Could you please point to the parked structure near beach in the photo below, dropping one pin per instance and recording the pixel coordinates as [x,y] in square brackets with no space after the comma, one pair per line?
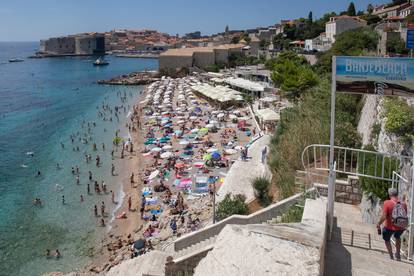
[80,44]
[198,56]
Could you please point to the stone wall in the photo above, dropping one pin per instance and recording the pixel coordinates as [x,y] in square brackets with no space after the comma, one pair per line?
[346,191]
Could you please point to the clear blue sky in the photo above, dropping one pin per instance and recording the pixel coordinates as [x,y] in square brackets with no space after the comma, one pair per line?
[31,20]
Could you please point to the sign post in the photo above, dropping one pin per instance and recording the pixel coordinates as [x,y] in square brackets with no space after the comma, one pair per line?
[331,181]
[370,76]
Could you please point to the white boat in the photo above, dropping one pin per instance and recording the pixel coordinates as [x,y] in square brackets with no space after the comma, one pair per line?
[16,60]
[100,62]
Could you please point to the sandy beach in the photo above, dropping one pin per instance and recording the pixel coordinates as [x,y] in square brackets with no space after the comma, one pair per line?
[183,147]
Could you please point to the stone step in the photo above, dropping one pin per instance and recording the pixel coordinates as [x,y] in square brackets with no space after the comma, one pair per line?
[195,247]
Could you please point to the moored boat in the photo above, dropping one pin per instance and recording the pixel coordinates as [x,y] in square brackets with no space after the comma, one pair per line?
[100,62]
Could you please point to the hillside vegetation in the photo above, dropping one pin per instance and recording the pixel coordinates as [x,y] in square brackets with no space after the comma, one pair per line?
[307,122]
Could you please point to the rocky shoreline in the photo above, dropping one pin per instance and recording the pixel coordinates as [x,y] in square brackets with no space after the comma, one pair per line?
[135,78]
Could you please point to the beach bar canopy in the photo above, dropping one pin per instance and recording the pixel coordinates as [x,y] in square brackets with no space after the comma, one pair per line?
[219,94]
[268,115]
[244,84]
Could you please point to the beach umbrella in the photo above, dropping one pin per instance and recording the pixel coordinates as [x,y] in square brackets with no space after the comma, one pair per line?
[179,165]
[204,129]
[194,130]
[154,174]
[230,151]
[209,126]
[193,118]
[156,149]
[211,150]
[221,115]
[167,147]
[184,142]
[232,116]
[213,122]
[199,164]
[207,157]
[166,154]
[215,155]
[139,244]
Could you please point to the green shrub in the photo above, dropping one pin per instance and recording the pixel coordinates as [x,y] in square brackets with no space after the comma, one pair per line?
[376,187]
[261,188]
[294,214]
[399,118]
[376,129]
[231,205]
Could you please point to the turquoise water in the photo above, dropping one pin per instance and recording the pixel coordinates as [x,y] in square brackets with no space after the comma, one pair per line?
[43,102]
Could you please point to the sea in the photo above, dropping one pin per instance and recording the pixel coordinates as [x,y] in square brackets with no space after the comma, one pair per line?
[42,103]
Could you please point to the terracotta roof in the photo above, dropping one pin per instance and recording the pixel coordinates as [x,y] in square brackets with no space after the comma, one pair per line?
[191,51]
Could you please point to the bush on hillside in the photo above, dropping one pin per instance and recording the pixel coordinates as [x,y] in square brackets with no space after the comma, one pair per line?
[261,188]
[307,122]
[375,187]
[399,118]
[354,42]
[231,205]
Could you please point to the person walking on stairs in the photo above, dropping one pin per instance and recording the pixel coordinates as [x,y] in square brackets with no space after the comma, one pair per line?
[394,220]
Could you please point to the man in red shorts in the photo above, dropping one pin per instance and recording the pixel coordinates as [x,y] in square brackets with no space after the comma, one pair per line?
[389,228]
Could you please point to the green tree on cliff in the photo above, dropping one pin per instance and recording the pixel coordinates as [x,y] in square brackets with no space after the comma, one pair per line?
[351,9]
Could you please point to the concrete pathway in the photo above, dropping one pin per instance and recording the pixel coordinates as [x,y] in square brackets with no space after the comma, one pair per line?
[357,249]
[241,173]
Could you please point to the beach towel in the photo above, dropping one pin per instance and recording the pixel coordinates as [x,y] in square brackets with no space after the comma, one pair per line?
[155,211]
[146,191]
[151,200]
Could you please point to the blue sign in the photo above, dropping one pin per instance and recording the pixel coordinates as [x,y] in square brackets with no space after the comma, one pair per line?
[410,39]
[375,75]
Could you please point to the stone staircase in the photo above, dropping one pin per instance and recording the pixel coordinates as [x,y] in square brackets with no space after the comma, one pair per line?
[356,248]
[187,251]
[195,249]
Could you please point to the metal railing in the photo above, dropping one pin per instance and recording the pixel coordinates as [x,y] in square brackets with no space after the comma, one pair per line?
[355,162]
[363,163]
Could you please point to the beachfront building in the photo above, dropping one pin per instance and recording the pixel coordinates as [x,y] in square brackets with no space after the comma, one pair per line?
[252,88]
[80,44]
[200,57]
[339,24]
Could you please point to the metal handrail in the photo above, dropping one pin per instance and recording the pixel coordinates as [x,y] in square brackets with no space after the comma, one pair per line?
[393,175]
[343,166]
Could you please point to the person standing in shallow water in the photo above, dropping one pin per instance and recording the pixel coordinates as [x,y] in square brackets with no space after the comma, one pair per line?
[113,196]
[113,170]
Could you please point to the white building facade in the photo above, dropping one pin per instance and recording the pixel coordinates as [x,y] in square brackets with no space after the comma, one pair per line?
[340,24]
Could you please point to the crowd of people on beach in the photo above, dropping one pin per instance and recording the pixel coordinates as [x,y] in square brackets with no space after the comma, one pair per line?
[189,146]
